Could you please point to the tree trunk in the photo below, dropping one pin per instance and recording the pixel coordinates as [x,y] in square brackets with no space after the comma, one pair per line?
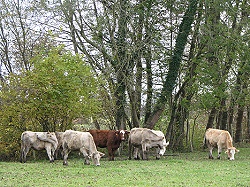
[211,117]
[238,132]
[248,123]
[231,116]
[120,66]
[174,65]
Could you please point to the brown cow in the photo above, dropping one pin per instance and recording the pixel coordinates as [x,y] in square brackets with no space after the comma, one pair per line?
[221,139]
[109,138]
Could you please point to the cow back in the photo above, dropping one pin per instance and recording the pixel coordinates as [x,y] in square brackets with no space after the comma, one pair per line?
[217,136]
[100,137]
[75,140]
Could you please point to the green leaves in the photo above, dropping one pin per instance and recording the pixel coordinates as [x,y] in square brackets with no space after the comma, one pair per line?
[59,88]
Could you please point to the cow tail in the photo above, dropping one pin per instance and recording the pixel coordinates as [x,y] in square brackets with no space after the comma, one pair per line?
[22,149]
[204,142]
[65,147]
[129,149]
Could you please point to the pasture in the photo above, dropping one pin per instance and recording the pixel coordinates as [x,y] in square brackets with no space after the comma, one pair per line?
[182,169]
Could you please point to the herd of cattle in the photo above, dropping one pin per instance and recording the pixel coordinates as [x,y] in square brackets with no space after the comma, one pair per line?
[140,140]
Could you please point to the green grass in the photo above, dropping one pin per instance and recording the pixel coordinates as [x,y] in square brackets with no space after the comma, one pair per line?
[184,169]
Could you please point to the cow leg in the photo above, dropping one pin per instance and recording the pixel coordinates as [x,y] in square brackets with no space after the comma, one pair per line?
[53,153]
[25,152]
[111,154]
[210,152]
[49,150]
[22,154]
[219,152]
[86,156]
[65,156]
[144,152]
[56,154]
[130,149]
[157,153]
[136,156]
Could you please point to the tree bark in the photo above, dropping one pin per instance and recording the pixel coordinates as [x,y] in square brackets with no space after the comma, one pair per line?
[120,66]
[174,65]
[238,132]
[211,117]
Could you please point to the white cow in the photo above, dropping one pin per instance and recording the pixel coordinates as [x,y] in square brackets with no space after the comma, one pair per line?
[83,141]
[221,139]
[144,139]
[38,141]
[59,136]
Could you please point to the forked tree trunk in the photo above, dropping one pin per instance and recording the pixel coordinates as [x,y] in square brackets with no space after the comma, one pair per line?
[174,65]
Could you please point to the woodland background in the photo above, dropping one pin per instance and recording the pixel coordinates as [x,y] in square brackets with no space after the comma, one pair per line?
[178,66]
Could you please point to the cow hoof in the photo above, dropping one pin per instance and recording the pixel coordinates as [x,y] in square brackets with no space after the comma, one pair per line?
[51,161]
[157,158]
[65,164]
[211,157]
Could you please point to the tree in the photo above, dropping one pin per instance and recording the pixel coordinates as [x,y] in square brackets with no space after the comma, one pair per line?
[175,62]
[59,88]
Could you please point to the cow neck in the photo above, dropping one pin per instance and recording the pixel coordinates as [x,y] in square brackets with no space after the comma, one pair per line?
[92,147]
[229,141]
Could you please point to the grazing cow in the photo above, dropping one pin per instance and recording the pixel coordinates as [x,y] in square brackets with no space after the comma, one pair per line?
[59,136]
[83,141]
[144,139]
[221,139]
[38,141]
[110,139]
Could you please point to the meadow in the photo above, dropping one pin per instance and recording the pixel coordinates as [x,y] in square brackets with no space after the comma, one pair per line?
[179,169]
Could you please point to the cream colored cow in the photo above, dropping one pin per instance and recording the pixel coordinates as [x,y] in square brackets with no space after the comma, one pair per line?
[221,139]
[38,141]
[83,141]
[144,139]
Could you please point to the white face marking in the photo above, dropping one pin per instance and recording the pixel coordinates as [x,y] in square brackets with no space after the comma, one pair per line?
[122,132]
[232,152]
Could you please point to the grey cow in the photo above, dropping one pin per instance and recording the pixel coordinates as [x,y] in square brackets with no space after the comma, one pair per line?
[83,141]
[38,141]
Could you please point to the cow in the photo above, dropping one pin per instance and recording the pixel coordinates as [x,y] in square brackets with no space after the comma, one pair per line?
[38,141]
[83,141]
[59,136]
[221,139]
[144,139]
[110,139]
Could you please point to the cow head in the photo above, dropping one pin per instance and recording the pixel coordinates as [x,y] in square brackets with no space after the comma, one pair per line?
[163,148]
[48,137]
[96,157]
[230,152]
[121,134]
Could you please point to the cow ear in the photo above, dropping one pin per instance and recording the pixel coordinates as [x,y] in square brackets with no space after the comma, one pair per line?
[101,154]
[236,150]
[226,151]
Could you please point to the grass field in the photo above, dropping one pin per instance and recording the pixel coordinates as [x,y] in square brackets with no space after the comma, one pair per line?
[184,169]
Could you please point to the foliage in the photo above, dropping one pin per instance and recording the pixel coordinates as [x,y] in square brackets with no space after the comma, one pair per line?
[59,88]
[189,169]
